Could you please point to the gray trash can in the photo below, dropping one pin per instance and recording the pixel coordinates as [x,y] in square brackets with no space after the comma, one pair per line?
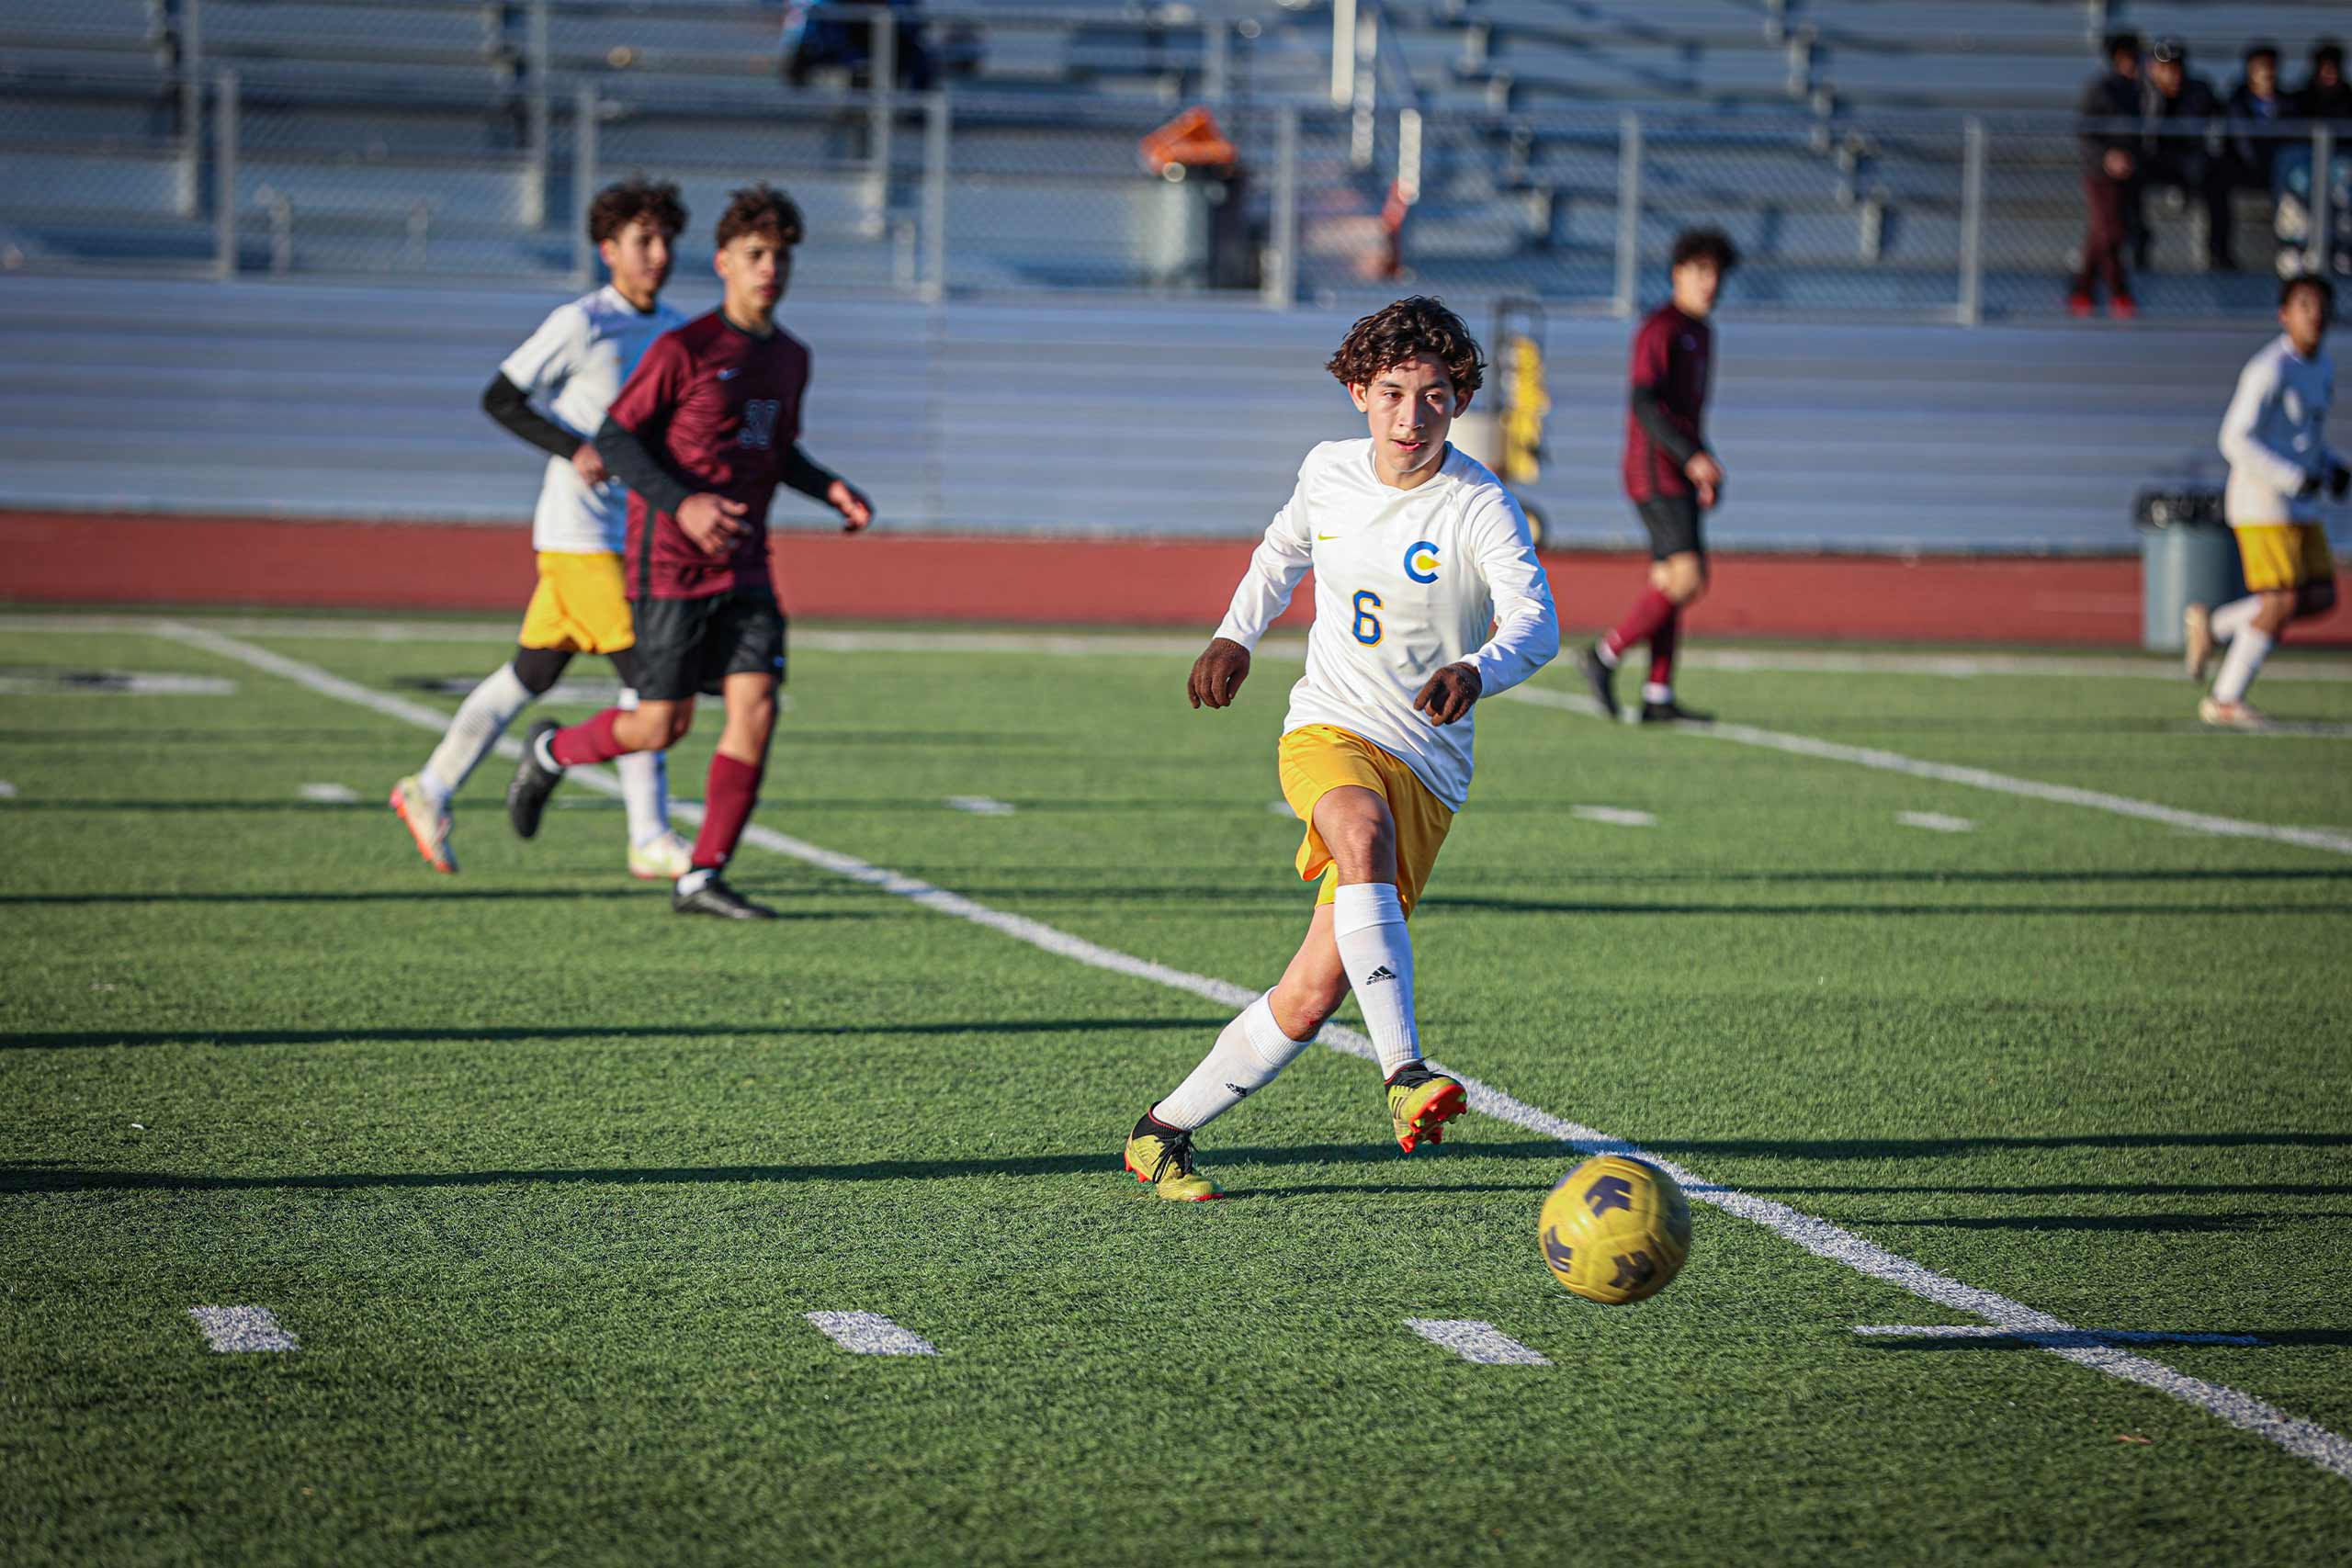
[2187,556]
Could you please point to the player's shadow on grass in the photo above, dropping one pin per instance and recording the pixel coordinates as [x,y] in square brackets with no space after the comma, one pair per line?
[454,894]
[66,1040]
[1992,878]
[2200,911]
[2272,1338]
[2080,1189]
[1923,1148]
[36,1177]
[2154,1222]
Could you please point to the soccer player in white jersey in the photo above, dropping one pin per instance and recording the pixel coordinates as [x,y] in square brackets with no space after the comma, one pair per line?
[2275,437]
[1428,596]
[576,364]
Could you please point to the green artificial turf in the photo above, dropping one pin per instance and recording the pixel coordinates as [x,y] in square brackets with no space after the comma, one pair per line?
[544,1178]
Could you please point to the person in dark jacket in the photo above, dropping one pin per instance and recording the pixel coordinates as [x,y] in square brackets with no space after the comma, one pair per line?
[2179,109]
[2254,108]
[2110,161]
[2324,93]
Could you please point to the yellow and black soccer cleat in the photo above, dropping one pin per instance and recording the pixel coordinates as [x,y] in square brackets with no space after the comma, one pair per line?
[1162,1158]
[1422,1102]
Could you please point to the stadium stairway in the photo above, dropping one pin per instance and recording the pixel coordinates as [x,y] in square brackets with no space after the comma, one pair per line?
[1112,417]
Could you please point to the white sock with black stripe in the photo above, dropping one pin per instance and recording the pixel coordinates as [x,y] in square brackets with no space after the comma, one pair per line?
[1369,920]
[1247,1055]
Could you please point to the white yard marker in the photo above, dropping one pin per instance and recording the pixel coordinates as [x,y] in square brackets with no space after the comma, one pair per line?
[240,1329]
[330,793]
[2306,1439]
[1934,822]
[2337,841]
[2076,1337]
[979,806]
[871,1334]
[7,790]
[1475,1341]
[1615,816]
[1281,808]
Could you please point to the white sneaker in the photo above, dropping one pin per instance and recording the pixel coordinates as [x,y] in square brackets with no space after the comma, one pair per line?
[2197,640]
[663,858]
[429,824]
[2231,716]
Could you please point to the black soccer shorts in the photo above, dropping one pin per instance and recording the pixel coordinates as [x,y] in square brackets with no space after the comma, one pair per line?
[688,647]
[1672,522]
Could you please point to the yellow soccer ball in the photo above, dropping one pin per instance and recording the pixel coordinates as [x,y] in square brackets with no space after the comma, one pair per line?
[1616,1230]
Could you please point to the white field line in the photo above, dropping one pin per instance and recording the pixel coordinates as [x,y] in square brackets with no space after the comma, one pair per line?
[244,1328]
[979,806]
[1615,816]
[7,790]
[870,1334]
[1095,645]
[2080,1336]
[1934,822]
[1281,808]
[2333,840]
[330,793]
[2305,1438]
[1475,1341]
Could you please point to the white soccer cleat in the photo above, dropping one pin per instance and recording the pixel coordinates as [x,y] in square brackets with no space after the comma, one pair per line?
[2197,640]
[664,858]
[429,824]
[2231,716]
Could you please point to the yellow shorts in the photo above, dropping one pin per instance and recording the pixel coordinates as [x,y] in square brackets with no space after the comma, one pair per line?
[580,606]
[1320,757]
[2284,554]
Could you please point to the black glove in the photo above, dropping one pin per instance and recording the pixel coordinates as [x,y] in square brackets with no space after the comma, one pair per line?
[2339,481]
[2309,487]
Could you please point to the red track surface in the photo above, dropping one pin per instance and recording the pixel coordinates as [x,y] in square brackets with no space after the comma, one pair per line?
[96,558]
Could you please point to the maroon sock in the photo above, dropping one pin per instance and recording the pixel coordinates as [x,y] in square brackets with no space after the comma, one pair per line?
[727,800]
[1662,646]
[592,741]
[1641,623]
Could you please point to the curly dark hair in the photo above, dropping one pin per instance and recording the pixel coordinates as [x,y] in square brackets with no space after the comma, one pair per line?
[1707,244]
[618,206]
[1414,328]
[759,209]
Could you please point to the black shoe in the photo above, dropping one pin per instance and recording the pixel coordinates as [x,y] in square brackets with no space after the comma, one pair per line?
[715,898]
[1672,712]
[1601,679]
[527,794]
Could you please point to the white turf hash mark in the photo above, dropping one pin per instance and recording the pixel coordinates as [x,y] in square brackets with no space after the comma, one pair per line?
[979,806]
[2080,1336]
[330,793]
[2304,1438]
[7,790]
[237,1330]
[1615,816]
[1477,1341]
[1974,778]
[870,1334]
[1934,822]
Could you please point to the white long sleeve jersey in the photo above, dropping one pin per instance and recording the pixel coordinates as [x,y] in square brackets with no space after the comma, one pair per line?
[1405,581]
[2274,436]
[576,364]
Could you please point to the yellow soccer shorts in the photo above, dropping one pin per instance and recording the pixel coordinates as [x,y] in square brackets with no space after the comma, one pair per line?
[580,606]
[2280,556]
[1317,758]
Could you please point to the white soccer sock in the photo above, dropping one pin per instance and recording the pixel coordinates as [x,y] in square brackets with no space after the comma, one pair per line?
[482,719]
[1378,956]
[2235,617]
[2247,650]
[1602,651]
[645,785]
[1246,1057]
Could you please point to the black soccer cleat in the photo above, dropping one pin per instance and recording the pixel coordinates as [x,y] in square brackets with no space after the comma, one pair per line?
[715,898]
[1672,712]
[1601,679]
[526,793]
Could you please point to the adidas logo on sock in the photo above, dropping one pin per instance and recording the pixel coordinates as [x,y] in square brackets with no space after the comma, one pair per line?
[1377,976]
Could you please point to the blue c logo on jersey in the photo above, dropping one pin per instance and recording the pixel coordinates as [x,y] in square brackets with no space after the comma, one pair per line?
[1421,561]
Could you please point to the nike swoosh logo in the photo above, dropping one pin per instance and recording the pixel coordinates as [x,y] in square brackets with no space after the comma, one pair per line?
[728,375]
[1326,536]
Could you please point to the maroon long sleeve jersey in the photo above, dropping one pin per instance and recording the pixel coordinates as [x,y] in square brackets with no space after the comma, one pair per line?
[721,409]
[1673,359]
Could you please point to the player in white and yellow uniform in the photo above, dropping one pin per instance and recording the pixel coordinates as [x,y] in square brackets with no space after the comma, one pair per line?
[1428,596]
[574,365]
[2275,435]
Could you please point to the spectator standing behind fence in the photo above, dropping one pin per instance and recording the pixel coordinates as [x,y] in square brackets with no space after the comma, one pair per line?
[2254,109]
[2108,104]
[2179,111]
[2324,97]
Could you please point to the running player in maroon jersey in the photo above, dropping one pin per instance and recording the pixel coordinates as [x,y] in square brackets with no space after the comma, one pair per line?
[1669,473]
[706,429]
